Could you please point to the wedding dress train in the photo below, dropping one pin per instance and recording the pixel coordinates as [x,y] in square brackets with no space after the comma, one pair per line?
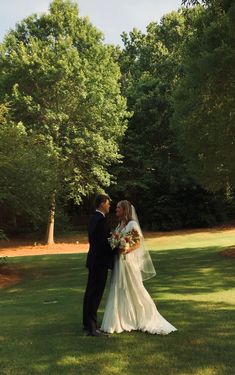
[129,306]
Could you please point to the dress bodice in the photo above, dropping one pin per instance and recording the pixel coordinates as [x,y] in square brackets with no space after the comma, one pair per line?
[132,224]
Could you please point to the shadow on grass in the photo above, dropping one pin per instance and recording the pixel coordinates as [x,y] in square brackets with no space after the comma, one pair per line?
[205,341]
[197,271]
[47,339]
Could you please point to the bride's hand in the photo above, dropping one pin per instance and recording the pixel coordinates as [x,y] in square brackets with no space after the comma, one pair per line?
[129,249]
[122,251]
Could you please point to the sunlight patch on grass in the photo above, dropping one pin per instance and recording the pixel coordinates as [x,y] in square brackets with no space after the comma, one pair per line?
[209,371]
[194,240]
[69,360]
[104,360]
[206,270]
[41,368]
[15,290]
[224,296]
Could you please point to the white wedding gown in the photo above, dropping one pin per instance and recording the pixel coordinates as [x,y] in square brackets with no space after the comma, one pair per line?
[129,305]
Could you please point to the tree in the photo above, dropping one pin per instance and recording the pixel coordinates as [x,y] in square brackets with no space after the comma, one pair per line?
[204,119]
[153,174]
[28,172]
[150,66]
[225,4]
[62,83]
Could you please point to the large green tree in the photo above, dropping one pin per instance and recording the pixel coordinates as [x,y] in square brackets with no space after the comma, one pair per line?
[62,83]
[28,174]
[204,118]
[150,65]
[153,172]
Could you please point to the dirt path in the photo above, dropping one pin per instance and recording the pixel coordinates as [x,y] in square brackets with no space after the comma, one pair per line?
[20,248]
[79,243]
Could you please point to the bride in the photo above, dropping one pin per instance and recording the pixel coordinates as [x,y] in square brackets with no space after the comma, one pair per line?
[129,305]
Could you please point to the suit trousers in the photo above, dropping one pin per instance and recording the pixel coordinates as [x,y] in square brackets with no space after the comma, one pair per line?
[97,278]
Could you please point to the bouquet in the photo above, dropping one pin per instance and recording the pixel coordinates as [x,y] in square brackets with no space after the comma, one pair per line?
[124,240]
[114,240]
[129,239]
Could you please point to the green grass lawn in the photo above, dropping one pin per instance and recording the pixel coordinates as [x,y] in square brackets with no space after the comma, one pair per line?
[194,289]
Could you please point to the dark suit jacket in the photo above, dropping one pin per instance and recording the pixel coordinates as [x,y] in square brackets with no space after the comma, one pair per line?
[100,252]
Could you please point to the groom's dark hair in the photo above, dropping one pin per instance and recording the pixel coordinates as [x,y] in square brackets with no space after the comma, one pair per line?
[100,198]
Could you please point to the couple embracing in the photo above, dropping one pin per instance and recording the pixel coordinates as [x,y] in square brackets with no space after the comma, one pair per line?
[129,305]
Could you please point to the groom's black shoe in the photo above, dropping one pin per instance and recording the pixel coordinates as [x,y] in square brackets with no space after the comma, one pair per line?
[95,333]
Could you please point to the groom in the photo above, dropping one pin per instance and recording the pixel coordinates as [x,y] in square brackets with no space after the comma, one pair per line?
[99,259]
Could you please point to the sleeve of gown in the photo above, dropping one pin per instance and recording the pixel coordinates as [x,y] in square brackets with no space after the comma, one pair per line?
[133,225]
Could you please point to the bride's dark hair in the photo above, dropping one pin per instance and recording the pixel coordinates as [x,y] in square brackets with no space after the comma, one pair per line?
[127,211]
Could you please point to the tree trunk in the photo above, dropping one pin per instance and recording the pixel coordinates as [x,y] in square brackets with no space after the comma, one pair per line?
[51,221]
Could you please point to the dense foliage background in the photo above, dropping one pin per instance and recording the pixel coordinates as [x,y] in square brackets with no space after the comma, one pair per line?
[152,122]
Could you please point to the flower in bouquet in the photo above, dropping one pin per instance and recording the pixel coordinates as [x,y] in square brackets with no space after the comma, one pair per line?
[124,243]
[114,240]
[127,240]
